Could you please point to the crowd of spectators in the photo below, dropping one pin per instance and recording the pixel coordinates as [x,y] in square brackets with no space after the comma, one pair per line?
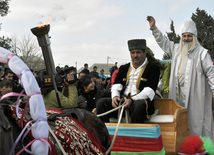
[81,90]
[87,88]
[9,82]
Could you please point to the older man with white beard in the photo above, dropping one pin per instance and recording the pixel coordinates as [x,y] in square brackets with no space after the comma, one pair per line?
[191,77]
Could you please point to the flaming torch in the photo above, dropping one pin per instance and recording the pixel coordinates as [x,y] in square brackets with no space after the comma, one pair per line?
[44,42]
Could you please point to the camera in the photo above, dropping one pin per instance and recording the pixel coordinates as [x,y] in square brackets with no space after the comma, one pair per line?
[68,70]
[45,81]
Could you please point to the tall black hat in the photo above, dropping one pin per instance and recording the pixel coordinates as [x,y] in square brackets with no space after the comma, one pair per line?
[137,44]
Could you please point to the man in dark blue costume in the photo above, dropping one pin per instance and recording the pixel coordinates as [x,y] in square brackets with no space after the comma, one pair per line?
[137,81]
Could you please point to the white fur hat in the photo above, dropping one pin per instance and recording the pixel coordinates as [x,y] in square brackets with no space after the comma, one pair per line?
[189,26]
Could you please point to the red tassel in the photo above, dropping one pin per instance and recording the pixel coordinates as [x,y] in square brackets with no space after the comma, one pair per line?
[192,145]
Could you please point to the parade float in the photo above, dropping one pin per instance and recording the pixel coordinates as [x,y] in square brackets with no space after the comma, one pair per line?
[161,134]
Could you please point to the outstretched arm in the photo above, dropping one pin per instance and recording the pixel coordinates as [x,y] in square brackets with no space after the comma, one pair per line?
[165,44]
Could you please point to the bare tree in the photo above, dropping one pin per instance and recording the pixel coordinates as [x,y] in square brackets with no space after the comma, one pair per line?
[28,50]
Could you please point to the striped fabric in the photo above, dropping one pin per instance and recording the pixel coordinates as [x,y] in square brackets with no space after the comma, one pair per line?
[137,140]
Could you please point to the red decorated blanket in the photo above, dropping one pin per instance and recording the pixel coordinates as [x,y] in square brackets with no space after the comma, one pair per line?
[73,136]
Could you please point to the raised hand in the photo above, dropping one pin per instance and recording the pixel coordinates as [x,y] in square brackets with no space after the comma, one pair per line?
[151,21]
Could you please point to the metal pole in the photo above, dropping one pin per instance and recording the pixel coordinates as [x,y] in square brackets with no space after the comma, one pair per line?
[44,43]
[107,59]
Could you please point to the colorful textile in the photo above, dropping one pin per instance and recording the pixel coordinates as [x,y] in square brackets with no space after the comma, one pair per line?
[136,144]
[137,140]
[73,136]
[147,132]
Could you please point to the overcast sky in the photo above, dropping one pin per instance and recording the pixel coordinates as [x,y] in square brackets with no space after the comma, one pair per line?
[97,31]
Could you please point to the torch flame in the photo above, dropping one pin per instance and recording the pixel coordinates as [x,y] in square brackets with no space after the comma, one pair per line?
[45,23]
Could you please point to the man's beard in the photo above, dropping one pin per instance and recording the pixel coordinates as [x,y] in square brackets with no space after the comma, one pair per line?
[186,46]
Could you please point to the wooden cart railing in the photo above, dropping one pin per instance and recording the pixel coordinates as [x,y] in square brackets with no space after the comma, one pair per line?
[175,126]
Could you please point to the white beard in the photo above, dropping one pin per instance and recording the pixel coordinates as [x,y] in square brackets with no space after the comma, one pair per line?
[186,46]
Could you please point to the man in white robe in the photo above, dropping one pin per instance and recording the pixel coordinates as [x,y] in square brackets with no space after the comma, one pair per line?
[191,78]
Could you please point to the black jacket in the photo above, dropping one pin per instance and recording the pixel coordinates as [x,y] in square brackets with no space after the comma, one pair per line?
[88,100]
[149,78]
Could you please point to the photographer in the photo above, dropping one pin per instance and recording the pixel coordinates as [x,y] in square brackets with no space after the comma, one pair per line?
[68,96]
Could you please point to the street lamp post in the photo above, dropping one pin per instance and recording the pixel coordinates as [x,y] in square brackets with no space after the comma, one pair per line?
[108,59]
